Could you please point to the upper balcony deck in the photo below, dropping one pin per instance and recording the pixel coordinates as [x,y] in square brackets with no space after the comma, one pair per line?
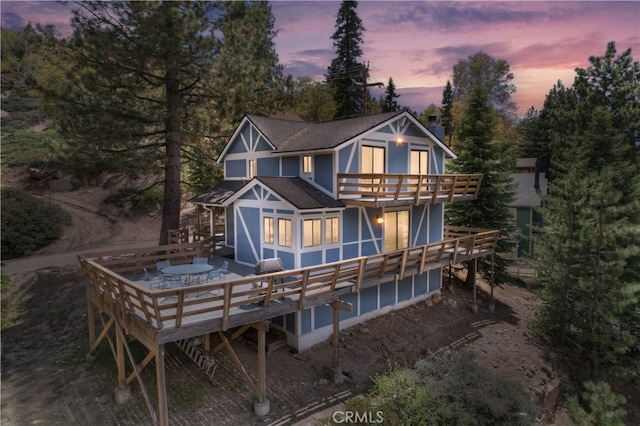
[388,190]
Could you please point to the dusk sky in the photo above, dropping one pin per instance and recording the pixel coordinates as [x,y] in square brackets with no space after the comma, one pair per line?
[417,43]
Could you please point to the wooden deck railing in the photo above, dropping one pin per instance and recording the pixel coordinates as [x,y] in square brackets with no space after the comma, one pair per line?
[381,189]
[220,305]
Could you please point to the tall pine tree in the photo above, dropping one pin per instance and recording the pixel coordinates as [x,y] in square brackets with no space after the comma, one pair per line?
[137,86]
[590,250]
[345,74]
[480,150]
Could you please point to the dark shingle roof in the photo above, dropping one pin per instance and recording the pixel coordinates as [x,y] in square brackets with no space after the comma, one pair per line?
[291,136]
[300,193]
[219,193]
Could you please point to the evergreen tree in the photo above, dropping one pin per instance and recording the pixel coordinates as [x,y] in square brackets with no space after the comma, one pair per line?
[346,73]
[590,250]
[313,101]
[390,104]
[137,87]
[481,149]
[446,113]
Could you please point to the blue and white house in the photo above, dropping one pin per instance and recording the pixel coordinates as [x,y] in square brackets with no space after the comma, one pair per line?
[316,193]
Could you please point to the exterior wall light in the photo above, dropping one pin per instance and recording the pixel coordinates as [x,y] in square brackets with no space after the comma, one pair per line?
[379,219]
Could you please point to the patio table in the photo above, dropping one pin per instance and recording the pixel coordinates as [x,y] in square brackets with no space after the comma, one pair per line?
[187,270]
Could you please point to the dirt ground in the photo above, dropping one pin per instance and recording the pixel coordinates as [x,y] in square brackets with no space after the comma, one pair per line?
[46,378]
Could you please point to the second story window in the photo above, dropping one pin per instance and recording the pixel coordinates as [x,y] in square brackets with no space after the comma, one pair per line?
[307,165]
[419,162]
[252,168]
[372,162]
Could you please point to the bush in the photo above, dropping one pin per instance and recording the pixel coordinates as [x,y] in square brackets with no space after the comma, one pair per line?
[28,223]
[441,391]
[604,406]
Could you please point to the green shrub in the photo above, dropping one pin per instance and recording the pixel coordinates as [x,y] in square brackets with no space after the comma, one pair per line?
[604,406]
[27,148]
[28,223]
[443,391]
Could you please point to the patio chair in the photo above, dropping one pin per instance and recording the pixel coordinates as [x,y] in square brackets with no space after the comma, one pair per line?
[154,278]
[219,272]
[200,261]
[166,279]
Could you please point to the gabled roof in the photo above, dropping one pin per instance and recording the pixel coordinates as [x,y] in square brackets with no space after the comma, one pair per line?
[290,136]
[217,195]
[300,193]
[297,136]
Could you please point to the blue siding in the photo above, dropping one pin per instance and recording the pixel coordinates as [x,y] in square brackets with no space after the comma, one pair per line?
[350,225]
[420,284]
[311,258]
[398,157]
[405,289]
[323,166]
[435,222]
[435,280]
[353,299]
[333,255]
[235,168]
[349,251]
[237,147]
[287,258]
[343,159]
[230,221]
[368,248]
[322,316]
[387,294]
[263,145]
[419,224]
[268,253]
[291,166]
[246,234]
[368,299]
[268,167]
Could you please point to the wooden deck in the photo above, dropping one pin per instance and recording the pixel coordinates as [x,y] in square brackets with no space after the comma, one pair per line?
[386,190]
[159,316]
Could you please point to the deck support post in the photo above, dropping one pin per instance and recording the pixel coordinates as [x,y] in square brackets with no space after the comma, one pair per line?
[122,393]
[163,408]
[492,306]
[337,305]
[262,406]
[474,307]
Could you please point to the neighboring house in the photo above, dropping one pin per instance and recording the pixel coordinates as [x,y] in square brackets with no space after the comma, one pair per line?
[531,184]
[315,193]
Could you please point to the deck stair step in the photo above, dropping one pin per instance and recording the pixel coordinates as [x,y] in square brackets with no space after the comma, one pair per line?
[191,347]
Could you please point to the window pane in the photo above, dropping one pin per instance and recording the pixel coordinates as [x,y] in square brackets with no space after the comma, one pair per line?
[396,230]
[312,232]
[252,168]
[390,231]
[403,229]
[419,162]
[306,164]
[284,232]
[268,230]
[332,235]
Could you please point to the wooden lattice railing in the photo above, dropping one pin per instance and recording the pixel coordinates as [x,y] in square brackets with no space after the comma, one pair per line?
[223,304]
[377,189]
